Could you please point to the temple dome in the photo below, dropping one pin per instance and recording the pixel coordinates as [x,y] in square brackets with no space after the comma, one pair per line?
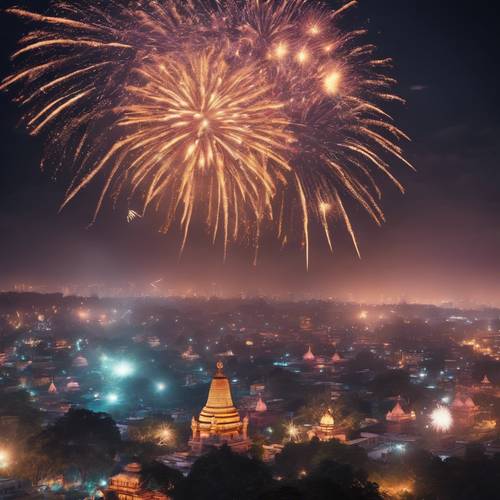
[309,356]
[219,410]
[219,421]
[327,420]
[398,414]
[261,407]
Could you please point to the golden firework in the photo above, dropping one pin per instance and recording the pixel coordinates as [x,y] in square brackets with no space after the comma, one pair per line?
[237,112]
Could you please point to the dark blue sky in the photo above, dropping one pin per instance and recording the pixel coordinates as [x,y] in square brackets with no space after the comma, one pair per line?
[441,240]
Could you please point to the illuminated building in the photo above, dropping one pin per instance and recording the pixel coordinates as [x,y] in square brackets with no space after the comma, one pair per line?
[309,356]
[189,354]
[306,323]
[128,485]
[464,411]
[260,407]
[327,430]
[219,421]
[398,415]
[52,388]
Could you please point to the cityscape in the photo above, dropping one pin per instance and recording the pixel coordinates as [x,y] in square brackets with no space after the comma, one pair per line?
[249,250]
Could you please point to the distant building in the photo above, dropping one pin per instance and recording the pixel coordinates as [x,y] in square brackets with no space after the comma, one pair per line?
[257,389]
[219,422]
[260,407]
[189,355]
[128,485]
[327,430]
[309,356]
[464,411]
[398,415]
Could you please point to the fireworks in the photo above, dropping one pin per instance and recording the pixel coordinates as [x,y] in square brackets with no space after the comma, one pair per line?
[441,419]
[247,114]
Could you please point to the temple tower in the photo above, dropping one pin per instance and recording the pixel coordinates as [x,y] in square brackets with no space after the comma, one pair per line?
[219,421]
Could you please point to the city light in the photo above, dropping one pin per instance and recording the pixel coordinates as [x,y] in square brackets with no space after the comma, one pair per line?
[441,419]
[4,459]
[112,398]
[123,369]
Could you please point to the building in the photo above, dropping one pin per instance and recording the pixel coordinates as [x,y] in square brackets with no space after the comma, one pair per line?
[464,411]
[14,488]
[327,430]
[128,485]
[309,356]
[219,422]
[398,415]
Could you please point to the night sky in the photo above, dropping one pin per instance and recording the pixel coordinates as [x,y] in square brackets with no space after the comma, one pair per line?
[441,241]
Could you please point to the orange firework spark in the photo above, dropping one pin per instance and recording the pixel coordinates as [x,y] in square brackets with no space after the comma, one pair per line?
[239,112]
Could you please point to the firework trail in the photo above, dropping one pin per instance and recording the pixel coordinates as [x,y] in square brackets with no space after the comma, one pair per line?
[241,113]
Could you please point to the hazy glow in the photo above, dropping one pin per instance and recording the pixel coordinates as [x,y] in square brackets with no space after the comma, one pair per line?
[4,459]
[112,398]
[123,369]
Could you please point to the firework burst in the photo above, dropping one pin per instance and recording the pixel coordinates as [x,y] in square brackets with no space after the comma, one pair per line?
[242,113]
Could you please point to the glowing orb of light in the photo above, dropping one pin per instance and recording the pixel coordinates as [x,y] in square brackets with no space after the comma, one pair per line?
[112,398]
[160,386]
[123,369]
[4,459]
[441,419]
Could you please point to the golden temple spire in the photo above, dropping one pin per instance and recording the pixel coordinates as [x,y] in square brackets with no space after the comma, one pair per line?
[219,419]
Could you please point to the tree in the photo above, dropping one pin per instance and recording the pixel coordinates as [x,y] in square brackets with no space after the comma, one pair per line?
[224,475]
[302,457]
[157,476]
[81,440]
[331,480]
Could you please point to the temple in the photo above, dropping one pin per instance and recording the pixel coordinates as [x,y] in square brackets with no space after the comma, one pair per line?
[327,430]
[219,422]
[464,411]
[309,356]
[128,485]
[260,407]
[398,415]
